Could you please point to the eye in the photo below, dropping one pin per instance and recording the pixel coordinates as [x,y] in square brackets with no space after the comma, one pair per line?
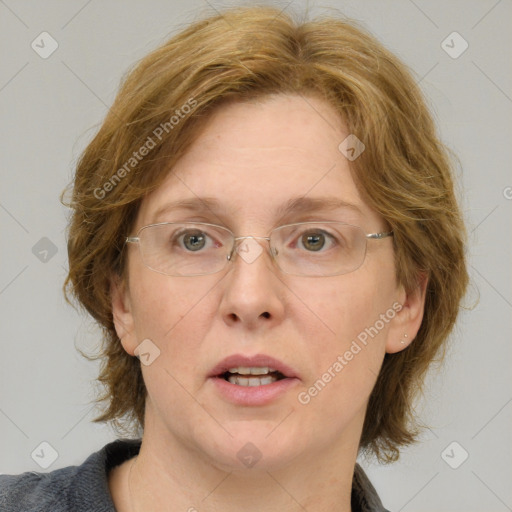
[316,240]
[313,242]
[193,240]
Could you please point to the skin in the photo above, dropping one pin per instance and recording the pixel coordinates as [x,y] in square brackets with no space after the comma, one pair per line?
[253,157]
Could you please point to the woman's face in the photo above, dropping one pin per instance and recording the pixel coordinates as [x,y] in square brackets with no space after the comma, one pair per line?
[329,333]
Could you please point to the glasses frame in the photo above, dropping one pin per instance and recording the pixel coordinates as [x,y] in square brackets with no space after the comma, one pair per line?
[368,236]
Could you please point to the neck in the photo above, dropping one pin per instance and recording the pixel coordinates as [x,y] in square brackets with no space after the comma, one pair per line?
[170,477]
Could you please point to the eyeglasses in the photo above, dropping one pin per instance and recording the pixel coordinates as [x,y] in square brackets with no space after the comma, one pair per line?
[304,249]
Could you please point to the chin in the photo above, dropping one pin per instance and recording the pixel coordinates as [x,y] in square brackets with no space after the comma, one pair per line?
[253,448]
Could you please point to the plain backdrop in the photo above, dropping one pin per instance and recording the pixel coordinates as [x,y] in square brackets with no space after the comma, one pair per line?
[50,109]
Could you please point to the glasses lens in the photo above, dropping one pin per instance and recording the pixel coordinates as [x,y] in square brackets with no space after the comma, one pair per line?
[319,248]
[185,249]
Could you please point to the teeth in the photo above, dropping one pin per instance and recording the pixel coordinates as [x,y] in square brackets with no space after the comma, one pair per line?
[251,381]
[252,370]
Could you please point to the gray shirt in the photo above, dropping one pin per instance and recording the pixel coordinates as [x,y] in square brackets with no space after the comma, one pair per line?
[85,488]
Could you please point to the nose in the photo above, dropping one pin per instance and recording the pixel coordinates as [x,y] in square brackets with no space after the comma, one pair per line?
[253,292]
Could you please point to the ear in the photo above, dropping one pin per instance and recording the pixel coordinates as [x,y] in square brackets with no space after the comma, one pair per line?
[122,314]
[405,325]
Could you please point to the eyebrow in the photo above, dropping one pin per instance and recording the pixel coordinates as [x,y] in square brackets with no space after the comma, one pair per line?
[296,205]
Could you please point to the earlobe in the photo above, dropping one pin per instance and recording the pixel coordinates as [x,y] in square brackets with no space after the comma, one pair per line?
[407,322]
[122,314]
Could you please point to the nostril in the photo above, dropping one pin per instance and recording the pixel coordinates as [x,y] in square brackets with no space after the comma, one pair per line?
[266,314]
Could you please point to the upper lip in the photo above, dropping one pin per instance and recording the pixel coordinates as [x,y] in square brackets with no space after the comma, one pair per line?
[258,360]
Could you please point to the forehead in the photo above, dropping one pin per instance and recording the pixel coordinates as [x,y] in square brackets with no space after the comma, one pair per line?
[258,162]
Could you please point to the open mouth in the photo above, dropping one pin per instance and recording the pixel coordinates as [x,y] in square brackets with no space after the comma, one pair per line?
[252,376]
[252,380]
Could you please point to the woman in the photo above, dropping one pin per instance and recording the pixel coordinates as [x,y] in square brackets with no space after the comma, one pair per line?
[265,226]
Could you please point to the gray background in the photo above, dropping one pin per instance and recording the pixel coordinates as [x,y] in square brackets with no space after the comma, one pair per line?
[50,109]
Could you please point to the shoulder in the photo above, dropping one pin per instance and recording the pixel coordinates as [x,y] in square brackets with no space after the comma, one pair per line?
[364,495]
[35,492]
[73,488]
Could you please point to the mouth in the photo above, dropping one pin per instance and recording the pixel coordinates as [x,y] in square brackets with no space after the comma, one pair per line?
[252,380]
[256,370]
[250,376]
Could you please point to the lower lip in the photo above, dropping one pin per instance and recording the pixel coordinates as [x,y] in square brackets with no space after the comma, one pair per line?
[253,395]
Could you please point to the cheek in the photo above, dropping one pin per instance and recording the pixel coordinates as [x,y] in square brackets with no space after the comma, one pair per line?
[155,308]
[344,307]
[171,312]
[349,344]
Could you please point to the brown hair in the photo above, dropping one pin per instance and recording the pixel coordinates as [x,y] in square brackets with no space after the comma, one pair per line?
[247,53]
